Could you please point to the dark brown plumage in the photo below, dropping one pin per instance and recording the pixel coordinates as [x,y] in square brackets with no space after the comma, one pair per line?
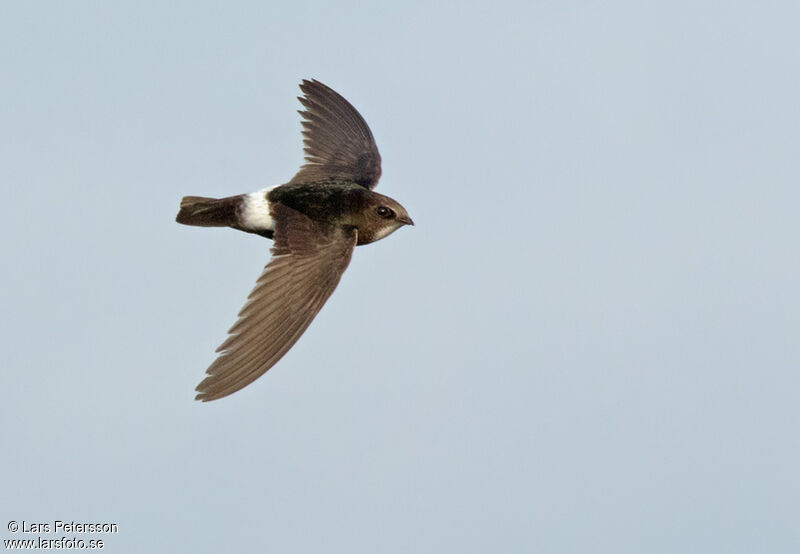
[336,140]
[316,220]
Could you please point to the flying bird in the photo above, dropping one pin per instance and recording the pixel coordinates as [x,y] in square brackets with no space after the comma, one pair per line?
[315,221]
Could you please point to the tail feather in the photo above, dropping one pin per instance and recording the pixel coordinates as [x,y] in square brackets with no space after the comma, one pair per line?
[209,212]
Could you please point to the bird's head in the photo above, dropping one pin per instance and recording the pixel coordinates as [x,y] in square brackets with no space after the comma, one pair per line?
[379,217]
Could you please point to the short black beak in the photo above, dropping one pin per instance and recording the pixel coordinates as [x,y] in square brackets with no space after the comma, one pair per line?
[405,220]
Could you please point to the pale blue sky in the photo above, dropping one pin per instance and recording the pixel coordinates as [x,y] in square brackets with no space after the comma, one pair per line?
[588,342]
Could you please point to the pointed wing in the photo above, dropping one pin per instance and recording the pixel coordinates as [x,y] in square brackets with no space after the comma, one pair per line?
[337,142]
[308,260]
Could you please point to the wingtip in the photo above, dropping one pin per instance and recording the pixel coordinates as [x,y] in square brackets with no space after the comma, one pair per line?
[203,395]
[308,85]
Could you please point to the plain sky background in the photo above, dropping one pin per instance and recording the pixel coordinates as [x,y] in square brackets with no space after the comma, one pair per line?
[588,343]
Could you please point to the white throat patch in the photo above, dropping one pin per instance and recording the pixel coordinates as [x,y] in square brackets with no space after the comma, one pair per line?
[385,232]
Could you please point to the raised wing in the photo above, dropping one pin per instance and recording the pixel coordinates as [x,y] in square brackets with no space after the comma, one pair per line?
[337,142]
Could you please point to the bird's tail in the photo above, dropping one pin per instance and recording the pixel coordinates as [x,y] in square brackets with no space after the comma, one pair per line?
[209,212]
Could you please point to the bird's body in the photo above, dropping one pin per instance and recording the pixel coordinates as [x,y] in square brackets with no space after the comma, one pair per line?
[315,220]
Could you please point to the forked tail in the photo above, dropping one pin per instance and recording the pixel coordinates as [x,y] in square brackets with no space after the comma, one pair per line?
[209,212]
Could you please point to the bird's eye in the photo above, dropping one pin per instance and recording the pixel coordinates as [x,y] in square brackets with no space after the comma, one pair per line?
[383,211]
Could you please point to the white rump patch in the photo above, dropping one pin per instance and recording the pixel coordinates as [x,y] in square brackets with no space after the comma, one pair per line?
[255,215]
